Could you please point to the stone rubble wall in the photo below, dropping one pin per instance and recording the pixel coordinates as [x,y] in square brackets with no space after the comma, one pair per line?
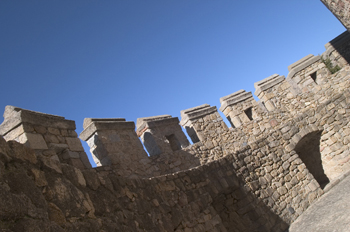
[303,77]
[257,176]
[164,132]
[60,197]
[49,135]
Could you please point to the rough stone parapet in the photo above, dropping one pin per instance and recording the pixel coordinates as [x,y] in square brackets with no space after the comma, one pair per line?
[239,107]
[113,142]
[114,145]
[47,134]
[141,123]
[203,123]
[308,73]
[14,116]
[267,83]
[234,98]
[92,125]
[161,134]
[196,112]
[275,92]
[301,64]
[257,177]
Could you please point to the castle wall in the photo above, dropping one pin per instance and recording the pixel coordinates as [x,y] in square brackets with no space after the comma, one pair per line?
[115,144]
[239,108]
[161,134]
[308,73]
[49,135]
[259,175]
[208,198]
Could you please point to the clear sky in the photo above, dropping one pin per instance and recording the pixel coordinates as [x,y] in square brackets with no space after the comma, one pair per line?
[140,58]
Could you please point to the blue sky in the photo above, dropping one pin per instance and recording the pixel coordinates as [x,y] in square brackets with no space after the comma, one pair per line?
[140,58]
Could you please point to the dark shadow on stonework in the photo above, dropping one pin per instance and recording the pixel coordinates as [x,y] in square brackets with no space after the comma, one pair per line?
[308,149]
[249,113]
[314,77]
[151,144]
[241,211]
[230,121]
[174,142]
[342,44]
[192,134]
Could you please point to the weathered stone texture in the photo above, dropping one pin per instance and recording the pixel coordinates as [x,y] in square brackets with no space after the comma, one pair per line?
[60,196]
[49,135]
[259,175]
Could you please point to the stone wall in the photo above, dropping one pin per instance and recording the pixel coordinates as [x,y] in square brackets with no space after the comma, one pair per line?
[50,135]
[60,197]
[259,175]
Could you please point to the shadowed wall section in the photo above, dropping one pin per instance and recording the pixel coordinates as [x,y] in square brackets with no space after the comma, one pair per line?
[308,149]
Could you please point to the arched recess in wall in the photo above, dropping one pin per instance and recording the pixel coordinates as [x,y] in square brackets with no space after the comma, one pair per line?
[308,149]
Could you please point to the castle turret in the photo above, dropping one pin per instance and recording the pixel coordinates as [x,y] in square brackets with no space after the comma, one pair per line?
[112,141]
[161,134]
[49,135]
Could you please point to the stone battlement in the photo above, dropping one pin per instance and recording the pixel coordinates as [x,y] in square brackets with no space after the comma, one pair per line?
[110,139]
[277,158]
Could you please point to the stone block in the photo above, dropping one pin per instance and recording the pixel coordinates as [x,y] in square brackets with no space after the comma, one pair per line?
[67,154]
[74,144]
[54,131]
[13,134]
[269,105]
[85,160]
[77,163]
[34,141]
[58,147]
[286,165]
[313,185]
[49,138]
[267,83]
[40,129]
[48,152]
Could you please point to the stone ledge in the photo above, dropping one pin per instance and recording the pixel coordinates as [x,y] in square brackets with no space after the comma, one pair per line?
[88,121]
[156,121]
[97,125]
[232,95]
[301,64]
[302,60]
[267,83]
[14,116]
[140,121]
[196,112]
[234,98]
